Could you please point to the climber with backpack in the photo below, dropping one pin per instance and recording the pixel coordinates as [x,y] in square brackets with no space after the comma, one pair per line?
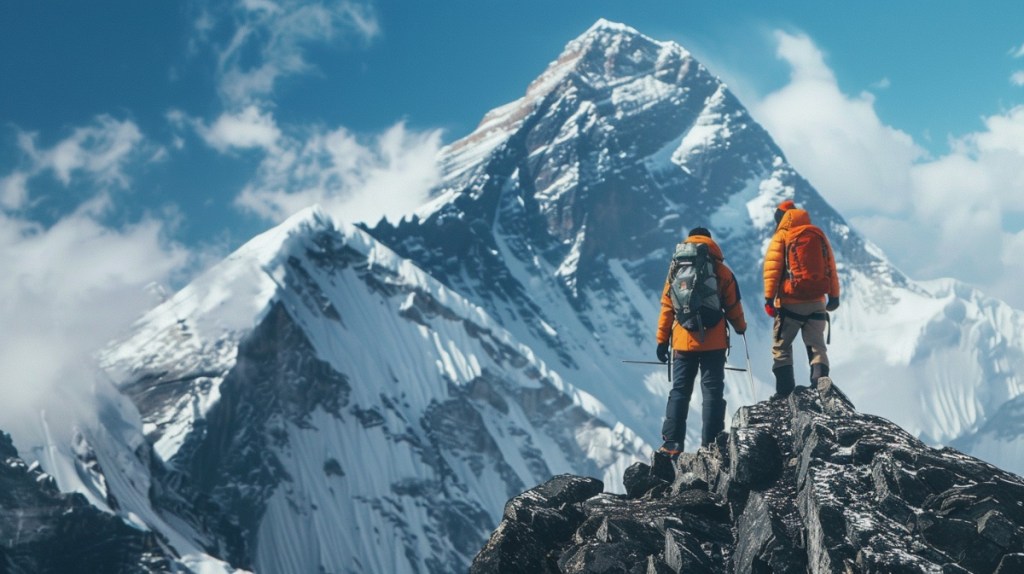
[801,286]
[699,292]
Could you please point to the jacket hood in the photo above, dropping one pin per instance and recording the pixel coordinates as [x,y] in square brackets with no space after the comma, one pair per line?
[713,247]
[794,218]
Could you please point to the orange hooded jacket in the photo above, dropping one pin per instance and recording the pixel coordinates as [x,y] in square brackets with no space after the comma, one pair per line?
[775,261]
[728,293]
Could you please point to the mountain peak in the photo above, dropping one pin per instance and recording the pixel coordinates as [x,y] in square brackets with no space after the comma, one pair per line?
[604,25]
[609,51]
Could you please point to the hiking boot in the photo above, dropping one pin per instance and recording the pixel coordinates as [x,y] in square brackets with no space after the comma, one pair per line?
[784,382]
[818,370]
[671,449]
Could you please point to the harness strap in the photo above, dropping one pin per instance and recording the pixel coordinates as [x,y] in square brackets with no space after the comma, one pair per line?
[816,316]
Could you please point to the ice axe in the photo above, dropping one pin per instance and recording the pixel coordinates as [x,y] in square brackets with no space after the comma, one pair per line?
[750,373]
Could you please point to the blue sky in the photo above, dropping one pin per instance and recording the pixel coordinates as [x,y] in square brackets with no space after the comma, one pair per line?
[935,74]
[141,141]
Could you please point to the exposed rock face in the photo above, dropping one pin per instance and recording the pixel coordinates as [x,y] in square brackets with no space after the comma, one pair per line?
[44,530]
[806,484]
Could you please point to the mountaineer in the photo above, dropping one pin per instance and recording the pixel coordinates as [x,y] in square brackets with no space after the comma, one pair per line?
[699,291]
[801,286]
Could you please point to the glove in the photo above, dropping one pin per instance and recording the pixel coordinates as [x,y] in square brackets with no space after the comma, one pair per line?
[663,352]
[833,303]
[769,307]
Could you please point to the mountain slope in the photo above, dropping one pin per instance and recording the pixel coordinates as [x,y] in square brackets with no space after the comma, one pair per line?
[316,402]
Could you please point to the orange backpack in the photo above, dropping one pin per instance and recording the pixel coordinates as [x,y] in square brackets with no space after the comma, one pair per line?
[807,263]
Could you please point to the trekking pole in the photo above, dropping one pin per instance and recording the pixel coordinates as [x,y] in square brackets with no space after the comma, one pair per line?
[670,361]
[727,367]
[746,349]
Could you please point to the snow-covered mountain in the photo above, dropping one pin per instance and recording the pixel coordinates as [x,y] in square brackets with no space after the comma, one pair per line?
[558,213]
[353,399]
[316,403]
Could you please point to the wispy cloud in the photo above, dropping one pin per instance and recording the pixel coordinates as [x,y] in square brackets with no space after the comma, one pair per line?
[99,152]
[912,205]
[73,284]
[70,287]
[1017,52]
[1017,78]
[353,180]
[250,128]
[270,40]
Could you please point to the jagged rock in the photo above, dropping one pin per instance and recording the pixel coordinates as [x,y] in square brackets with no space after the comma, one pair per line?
[762,539]
[1011,563]
[44,530]
[653,565]
[755,458]
[802,485]
[602,558]
[683,553]
[536,522]
[687,481]
[639,480]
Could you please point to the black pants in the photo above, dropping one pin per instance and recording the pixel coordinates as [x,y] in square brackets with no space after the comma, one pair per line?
[712,382]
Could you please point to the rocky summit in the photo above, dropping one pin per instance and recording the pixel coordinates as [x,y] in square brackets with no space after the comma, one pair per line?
[804,484]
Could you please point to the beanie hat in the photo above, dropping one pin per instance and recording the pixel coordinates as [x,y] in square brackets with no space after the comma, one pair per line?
[700,231]
[782,209]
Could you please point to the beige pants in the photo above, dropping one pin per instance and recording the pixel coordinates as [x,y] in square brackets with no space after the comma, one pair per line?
[812,331]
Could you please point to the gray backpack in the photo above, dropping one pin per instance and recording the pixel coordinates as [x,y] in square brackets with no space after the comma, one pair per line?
[693,287]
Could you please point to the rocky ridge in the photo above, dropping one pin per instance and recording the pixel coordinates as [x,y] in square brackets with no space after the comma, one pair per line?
[806,484]
[43,530]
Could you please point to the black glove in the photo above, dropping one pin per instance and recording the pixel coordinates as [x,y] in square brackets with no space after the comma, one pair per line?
[769,307]
[833,303]
[663,352]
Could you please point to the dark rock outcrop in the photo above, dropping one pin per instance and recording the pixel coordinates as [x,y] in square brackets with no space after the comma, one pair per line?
[44,530]
[806,484]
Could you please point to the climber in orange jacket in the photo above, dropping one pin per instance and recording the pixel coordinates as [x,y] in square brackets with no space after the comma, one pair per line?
[801,285]
[697,335]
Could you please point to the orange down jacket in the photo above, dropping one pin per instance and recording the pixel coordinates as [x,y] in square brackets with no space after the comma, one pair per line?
[728,293]
[775,261]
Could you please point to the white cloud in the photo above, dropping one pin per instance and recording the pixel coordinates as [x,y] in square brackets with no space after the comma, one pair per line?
[14,190]
[352,180]
[249,128]
[72,285]
[941,216]
[270,41]
[1017,52]
[883,84]
[100,152]
[836,140]
[1017,78]
[68,289]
